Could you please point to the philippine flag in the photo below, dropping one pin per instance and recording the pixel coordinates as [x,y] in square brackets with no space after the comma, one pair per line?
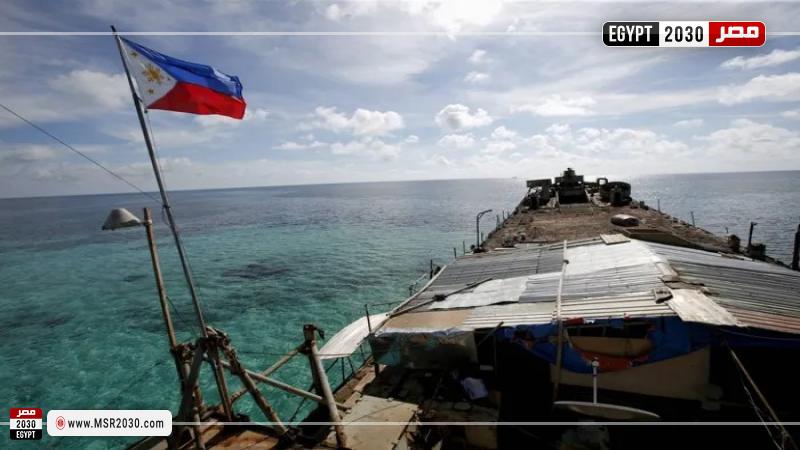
[171,84]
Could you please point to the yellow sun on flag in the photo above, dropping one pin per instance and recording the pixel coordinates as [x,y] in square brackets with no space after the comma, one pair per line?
[153,74]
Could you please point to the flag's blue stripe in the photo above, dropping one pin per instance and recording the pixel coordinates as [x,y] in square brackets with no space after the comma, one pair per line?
[189,72]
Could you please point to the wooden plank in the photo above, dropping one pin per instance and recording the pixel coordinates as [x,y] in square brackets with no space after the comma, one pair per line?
[611,239]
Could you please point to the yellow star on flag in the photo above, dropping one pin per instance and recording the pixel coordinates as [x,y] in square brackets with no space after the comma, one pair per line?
[153,74]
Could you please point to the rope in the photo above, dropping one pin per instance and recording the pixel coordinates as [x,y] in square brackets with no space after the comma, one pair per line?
[757,410]
[745,375]
[85,156]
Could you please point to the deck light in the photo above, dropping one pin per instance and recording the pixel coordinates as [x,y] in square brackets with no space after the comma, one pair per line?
[478,227]
[121,218]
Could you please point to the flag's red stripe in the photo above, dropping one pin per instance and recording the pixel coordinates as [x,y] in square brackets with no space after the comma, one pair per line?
[191,98]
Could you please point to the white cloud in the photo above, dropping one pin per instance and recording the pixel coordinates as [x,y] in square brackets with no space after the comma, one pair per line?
[362,122]
[494,147]
[412,139]
[349,10]
[440,160]
[292,145]
[457,141]
[251,115]
[503,133]
[333,12]
[689,123]
[791,114]
[78,94]
[556,105]
[145,169]
[457,117]
[749,140]
[95,88]
[476,77]
[478,56]
[454,15]
[26,154]
[773,58]
[784,87]
[562,141]
[172,137]
[370,147]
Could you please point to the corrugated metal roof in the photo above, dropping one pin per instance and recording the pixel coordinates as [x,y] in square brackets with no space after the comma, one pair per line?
[510,315]
[757,293]
[601,281]
[600,270]
[617,281]
[497,265]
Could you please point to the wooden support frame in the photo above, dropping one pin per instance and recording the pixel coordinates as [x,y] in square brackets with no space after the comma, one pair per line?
[269,371]
[310,334]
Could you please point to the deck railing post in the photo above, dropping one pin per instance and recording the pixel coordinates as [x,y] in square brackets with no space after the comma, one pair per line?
[310,334]
[796,252]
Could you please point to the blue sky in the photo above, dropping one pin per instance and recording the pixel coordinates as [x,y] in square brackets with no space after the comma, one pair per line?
[415,106]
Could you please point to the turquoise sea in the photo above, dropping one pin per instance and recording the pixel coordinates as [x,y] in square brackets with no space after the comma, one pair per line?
[81,329]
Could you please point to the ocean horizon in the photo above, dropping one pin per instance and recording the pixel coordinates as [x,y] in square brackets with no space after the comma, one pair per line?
[612,177]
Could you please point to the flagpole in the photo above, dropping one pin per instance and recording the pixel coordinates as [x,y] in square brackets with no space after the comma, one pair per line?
[187,272]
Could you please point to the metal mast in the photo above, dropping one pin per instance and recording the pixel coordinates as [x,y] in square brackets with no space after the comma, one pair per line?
[187,272]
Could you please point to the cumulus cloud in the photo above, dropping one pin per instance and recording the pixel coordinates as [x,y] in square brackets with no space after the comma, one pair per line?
[70,96]
[292,145]
[22,163]
[25,154]
[476,77]
[791,114]
[440,160]
[251,115]
[746,139]
[784,87]
[361,123]
[503,133]
[370,147]
[412,139]
[773,58]
[348,10]
[494,147]
[689,123]
[454,15]
[457,141]
[478,56]
[95,88]
[556,105]
[604,143]
[458,117]
[144,169]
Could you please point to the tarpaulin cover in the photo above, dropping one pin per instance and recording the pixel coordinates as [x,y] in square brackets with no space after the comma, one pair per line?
[669,336]
[424,349]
